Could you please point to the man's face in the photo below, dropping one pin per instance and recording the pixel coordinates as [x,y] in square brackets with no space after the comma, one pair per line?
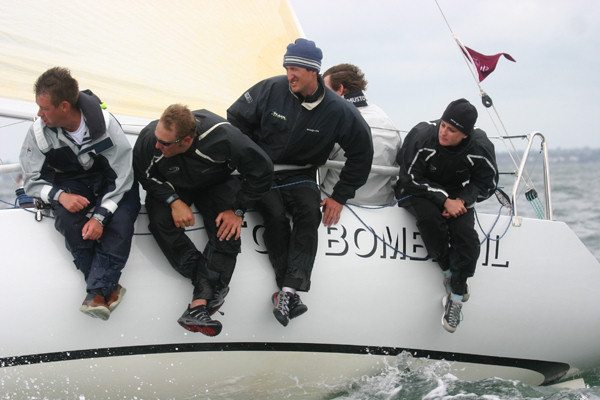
[52,116]
[166,136]
[302,80]
[448,135]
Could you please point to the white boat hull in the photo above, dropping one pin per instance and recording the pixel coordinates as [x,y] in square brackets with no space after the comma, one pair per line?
[534,314]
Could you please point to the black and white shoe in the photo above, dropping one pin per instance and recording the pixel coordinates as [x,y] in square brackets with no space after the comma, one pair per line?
[452,314]
[218,299]
[198,319]
[281,306]
[296,306]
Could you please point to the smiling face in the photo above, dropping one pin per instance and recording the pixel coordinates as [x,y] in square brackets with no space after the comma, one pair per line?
[302,80]
[448,135]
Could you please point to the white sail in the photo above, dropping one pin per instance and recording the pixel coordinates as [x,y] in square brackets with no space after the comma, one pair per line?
[141,56]
[534,314]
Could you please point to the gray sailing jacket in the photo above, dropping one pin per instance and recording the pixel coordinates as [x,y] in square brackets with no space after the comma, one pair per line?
[102,167]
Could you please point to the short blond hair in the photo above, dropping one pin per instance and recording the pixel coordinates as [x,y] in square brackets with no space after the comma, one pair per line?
[179,118]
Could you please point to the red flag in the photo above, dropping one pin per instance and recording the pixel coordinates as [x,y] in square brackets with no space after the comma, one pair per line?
[486,64]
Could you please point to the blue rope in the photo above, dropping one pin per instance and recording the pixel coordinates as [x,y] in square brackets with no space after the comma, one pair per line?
[347,205]
[367,227]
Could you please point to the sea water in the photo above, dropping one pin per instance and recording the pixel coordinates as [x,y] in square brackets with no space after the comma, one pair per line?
[575,194]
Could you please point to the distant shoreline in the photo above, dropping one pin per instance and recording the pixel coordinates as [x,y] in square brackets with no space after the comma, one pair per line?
[559,155]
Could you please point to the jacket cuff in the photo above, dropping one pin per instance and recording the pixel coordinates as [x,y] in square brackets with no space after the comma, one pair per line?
[52,195]
[172,198]
[340,199]
[100,218]
[102,215]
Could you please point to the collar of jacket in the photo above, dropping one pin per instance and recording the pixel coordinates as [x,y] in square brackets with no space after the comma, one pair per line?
[357,98]
[313,100]
[89,105]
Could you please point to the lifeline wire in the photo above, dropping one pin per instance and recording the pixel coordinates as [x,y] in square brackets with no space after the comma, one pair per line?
[348,206]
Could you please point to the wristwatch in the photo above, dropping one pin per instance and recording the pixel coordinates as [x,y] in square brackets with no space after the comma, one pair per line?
[239,213]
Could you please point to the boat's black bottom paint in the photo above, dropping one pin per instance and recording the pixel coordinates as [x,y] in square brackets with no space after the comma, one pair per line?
[552,371]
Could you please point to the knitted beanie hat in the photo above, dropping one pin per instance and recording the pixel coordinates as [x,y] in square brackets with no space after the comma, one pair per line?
[303,53]
[462,115]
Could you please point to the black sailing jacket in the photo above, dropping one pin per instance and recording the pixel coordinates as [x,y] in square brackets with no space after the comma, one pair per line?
[297,131]
[435,172]
[218,150]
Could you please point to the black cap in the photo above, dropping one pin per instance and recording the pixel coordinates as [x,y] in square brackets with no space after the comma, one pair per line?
[462,115]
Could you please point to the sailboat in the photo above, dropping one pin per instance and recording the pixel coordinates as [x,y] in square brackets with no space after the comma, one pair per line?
[515,327]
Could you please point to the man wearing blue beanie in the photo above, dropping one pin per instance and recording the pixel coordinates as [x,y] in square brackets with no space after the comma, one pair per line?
[297,121]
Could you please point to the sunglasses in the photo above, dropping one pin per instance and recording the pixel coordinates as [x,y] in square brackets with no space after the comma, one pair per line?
[167,144]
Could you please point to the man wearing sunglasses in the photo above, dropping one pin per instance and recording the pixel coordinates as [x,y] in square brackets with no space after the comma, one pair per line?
[188,158]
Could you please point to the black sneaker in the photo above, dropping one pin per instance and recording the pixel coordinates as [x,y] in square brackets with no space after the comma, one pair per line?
[218,299]
[452,314]
[197,319]
[296,306]
[281,311]
[448,287]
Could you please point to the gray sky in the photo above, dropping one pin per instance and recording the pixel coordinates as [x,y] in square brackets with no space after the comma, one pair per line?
[415,68]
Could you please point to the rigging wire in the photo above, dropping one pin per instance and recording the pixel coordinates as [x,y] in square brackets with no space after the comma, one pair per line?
[489,104]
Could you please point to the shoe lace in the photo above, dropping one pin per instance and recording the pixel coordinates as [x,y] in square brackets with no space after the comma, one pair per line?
[200,313]
[295,301]
[454,313]
[283,302]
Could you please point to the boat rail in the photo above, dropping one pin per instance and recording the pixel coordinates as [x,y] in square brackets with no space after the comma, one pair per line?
[546,174]
[521,177]
[10,169]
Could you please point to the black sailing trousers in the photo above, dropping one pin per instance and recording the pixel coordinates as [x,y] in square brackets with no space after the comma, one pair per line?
[292,248]
[452,242]
[212,268]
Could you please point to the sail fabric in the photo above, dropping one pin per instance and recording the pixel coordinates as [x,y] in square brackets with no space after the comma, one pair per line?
[141,56]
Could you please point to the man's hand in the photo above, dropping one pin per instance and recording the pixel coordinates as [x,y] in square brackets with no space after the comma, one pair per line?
[454,208]
[229,224]
[92,230]
[331,211]
[182,214]
[73,202]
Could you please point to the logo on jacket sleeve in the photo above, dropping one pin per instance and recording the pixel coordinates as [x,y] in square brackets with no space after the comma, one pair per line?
[248,97]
